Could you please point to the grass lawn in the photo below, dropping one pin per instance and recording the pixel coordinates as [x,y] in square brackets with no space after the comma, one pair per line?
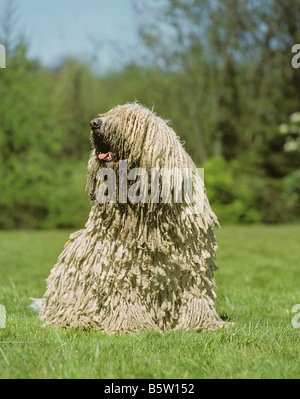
[258,284]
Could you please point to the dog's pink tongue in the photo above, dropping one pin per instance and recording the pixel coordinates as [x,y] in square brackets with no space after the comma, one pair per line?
[103,156]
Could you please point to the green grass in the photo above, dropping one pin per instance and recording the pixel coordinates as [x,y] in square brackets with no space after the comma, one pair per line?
[258,284]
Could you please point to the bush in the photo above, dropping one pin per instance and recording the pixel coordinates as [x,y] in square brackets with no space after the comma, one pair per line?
[44,196]
[291,194]
[232,195]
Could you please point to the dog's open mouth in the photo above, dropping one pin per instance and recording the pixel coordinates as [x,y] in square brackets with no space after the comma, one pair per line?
[103,149]
[108,157]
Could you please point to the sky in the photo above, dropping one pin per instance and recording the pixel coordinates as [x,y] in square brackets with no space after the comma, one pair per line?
[101,30]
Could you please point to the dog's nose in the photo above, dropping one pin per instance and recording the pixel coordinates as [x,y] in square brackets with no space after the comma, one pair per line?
[95,123]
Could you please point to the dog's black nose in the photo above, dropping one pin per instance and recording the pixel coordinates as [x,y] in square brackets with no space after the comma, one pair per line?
[95,123]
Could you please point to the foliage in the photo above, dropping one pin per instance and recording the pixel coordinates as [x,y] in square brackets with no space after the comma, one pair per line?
[291,193]
[232,195]
[220,71]
[33,143]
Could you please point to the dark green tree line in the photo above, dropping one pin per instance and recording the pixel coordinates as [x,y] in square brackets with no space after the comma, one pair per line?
[219,70]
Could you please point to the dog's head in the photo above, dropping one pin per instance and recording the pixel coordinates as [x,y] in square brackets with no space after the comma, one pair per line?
[133,133]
